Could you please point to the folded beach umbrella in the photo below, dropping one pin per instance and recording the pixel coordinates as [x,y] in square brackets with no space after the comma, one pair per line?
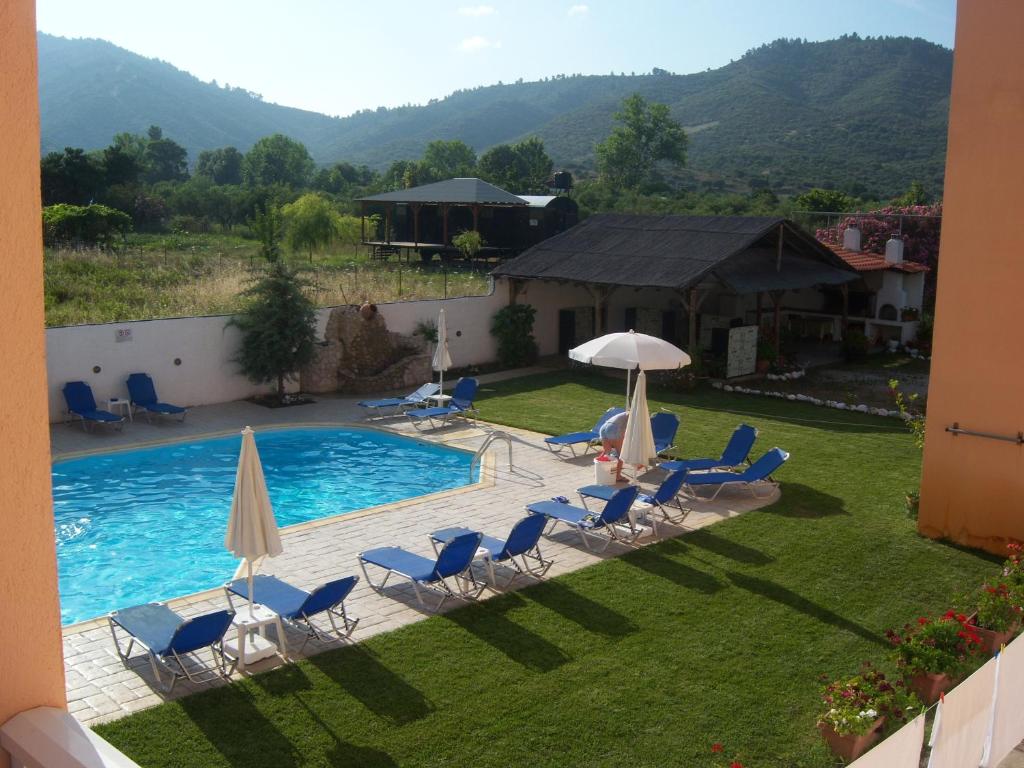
[638,442]
[629,351]
[442,358]
[252,529]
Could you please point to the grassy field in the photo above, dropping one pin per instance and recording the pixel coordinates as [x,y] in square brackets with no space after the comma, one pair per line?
[642,660]
[169,276]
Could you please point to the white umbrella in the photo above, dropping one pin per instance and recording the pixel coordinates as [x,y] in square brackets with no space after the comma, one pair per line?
[442,359]
[630,351]
[638,442]
[252,529]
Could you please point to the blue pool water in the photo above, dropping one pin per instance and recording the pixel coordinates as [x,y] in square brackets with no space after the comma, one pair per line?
[148,524]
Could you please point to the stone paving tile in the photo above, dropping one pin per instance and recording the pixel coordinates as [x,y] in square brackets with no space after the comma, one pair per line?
[100,688]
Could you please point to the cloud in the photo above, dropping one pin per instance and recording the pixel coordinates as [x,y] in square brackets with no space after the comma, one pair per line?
[478,43]
[477,10]
[579,10]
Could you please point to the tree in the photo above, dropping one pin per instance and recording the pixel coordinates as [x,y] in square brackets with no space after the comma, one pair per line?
[645,136]
[449,159]
[71,176]
[524,167]
[278,328]
[311,223]
[121,166]
[166,160]
[268,226]
[278,160]
[90,224]
[831,200]
[512,326]
[915,195]
[222,166]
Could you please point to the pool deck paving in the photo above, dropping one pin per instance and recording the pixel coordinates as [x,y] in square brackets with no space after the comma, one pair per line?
[100,688]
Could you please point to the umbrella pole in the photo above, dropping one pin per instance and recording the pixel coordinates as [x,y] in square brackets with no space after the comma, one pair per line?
[248,564]
[628,372]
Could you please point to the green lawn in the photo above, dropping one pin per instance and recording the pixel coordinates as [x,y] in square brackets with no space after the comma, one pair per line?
[642,660]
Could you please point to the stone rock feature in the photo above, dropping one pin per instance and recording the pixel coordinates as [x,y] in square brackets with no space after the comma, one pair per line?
[359,355]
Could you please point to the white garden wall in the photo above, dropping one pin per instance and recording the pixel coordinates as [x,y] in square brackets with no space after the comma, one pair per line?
[206,347]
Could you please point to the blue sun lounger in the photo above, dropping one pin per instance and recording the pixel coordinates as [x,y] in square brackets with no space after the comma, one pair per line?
[297,607]
[664,427]
[81,403]
[522,542]
[757,475]
[736,453]
[393,406]
[453,562]
[665,495]
[168,637]
[460,404]
[142,394]
[558,443]
[613,518]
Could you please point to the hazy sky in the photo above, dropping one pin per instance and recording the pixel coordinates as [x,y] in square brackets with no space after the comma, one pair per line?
[338,57]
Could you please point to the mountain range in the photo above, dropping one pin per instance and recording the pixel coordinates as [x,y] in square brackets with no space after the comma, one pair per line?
[864,114]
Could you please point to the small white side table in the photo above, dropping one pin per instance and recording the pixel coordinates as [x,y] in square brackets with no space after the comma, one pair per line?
[125,406]
[248,647]
[439,400]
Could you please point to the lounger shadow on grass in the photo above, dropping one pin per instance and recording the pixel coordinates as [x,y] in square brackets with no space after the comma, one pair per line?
[803,501]
[576,607]
[653,559]
[379,689]
[344,752]
[790,599]
[237,729]
[705,539]
[489,623]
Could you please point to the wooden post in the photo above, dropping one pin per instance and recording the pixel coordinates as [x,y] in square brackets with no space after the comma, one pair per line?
[387,223]
[844,324]
[692,331]
[760,309]
[476,218]
[444,224]
[777,300]
[362,221]
[416,224]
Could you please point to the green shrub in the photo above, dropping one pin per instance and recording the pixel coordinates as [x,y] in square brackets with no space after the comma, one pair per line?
[84,224]
[512,326]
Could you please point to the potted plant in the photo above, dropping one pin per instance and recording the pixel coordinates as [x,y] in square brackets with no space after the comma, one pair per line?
[935,653]
[909,313]
[858,708]
[913,502]
[998,616]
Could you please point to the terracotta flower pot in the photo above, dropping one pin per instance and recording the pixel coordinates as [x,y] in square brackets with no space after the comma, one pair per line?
[850,747]
[991,641]
[928,686]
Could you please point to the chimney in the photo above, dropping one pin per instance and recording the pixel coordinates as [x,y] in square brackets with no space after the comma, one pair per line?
[894,250]
[851,239]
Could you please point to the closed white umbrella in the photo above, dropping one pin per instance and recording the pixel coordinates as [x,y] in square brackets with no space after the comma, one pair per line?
[638,442]
[442,358]
[252,529]
[629,351]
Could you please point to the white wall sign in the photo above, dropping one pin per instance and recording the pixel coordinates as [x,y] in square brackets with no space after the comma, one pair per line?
[741,357]
[124,334]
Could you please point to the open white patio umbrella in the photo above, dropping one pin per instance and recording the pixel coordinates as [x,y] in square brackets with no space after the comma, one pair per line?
[630,350]
[442,358]
[638,442]
[252,529]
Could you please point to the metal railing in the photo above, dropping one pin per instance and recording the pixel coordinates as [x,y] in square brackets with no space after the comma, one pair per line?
[491,438]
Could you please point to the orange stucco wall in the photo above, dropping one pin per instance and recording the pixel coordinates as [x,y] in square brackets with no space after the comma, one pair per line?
[972,488]
[31,662]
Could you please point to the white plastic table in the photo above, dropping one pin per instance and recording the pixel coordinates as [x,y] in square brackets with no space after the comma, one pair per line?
[248,647]
[125,406]
[439,400]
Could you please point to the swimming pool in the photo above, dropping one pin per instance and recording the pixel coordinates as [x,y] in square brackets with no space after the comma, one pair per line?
[148,524]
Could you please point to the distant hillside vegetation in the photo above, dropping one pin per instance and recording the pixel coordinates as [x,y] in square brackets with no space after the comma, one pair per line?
[867,115]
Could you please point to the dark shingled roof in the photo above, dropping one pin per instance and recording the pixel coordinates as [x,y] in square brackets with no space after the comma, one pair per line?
[679,252]
[455,191]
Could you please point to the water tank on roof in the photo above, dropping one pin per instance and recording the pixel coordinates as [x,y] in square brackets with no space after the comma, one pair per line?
[562,181]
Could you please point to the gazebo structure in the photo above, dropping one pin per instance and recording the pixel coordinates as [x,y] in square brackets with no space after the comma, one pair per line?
[424,219]
[723,271]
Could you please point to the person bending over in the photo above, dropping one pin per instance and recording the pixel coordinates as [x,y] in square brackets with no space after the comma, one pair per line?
[612,433]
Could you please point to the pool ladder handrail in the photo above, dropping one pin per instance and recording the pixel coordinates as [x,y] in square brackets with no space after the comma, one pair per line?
[491,438]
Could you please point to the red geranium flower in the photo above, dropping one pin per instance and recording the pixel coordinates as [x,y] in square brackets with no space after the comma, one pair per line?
[716,747]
